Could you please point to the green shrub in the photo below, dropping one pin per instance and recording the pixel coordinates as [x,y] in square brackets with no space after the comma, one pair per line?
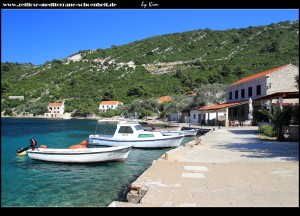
[8,112]
[267,130]
[145,113]
[110,113]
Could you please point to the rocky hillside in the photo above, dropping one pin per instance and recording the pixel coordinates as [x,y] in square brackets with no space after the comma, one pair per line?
[163,65]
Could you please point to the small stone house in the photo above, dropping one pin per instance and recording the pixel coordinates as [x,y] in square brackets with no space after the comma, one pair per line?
[206,118]
[55,110]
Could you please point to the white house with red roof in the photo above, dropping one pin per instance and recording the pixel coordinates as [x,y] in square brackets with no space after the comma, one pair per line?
[55,110]
[108,105]
[276,85]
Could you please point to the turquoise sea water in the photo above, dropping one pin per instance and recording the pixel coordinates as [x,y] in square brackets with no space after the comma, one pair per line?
[25,182]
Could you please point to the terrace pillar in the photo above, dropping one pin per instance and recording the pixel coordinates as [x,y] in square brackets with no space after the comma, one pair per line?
[280,102]
[226,118]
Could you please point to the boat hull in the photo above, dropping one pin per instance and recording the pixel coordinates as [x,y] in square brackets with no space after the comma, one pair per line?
[192,132]
[176,128]
[84,155]
[186,133]
[165,142]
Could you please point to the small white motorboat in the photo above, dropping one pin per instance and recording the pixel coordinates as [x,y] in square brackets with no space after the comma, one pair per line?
[186,133]
[127,133]
[190,132]
[110,120]
[177,128]
[80,155]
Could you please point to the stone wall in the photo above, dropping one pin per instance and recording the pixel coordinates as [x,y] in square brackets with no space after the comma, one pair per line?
[16,97]
[245,85]
[283,80]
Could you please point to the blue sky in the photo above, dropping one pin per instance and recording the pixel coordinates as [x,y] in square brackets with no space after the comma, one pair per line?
[36,36]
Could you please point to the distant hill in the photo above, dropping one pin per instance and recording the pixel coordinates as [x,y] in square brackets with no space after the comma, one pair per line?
[163,65]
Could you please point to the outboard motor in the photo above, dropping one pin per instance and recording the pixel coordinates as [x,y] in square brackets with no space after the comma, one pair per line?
[33,145]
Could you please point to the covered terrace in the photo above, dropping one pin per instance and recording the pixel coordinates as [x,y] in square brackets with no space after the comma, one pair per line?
[236,113]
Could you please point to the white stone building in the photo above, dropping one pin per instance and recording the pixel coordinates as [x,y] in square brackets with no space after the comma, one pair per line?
[277,85]
[280,79]
[108,105]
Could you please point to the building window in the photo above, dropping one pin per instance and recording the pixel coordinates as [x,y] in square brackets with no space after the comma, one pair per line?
[249,91]
[230,95]
[236,94]
[258,90]
[243,93]
[194,116]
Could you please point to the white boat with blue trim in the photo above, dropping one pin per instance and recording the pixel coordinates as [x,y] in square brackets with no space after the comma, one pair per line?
[133,134]
[80,155]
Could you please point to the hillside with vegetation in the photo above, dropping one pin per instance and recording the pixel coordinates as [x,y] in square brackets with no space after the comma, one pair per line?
[172,64]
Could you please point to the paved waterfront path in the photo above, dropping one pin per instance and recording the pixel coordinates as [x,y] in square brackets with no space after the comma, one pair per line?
[231,167]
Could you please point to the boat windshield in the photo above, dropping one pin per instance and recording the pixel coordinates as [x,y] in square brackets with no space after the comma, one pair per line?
[138,127]
[125,129]
[106,129]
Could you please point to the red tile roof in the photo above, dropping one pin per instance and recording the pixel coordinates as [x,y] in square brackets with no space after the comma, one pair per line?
[258,75]
[54,104]
[284,95]
[164,99]
[110,102]
[220,106]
